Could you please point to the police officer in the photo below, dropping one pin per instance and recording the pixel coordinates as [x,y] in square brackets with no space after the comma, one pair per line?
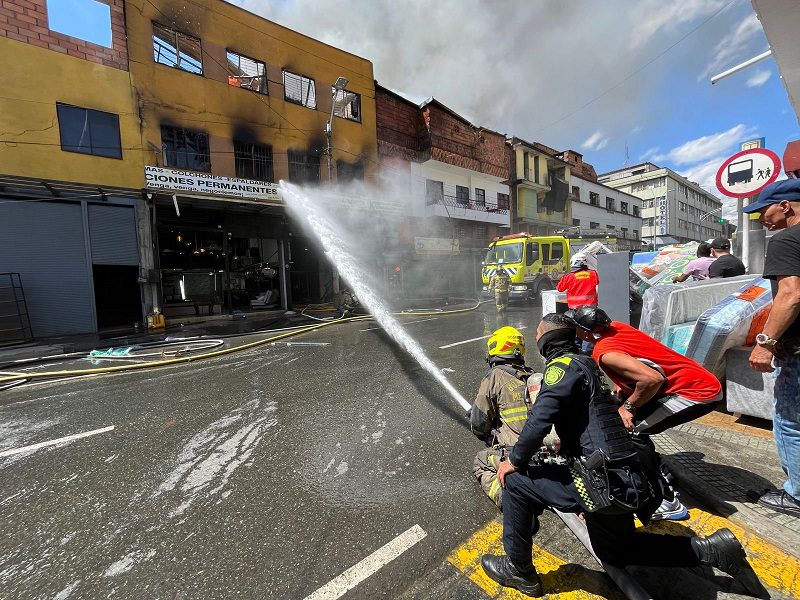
[501,406]
[599,449]
[500,282]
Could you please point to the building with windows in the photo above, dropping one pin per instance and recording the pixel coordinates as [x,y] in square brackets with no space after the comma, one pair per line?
[599,211]
[240,103]
[539,189]
[455,176]
[674,209]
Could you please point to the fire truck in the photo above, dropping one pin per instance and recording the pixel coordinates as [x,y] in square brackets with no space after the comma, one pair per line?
[533,263]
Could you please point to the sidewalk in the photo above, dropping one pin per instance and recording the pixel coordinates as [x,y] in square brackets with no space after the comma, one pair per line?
[725,463]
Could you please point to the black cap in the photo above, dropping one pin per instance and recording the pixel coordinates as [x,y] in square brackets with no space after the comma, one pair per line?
[721,243]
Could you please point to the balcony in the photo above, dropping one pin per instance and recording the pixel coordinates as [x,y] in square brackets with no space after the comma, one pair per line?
[467,208]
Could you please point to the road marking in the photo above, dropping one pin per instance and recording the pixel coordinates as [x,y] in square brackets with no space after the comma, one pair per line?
[340,585]
[406,323]
[576,581]
[68,438]
[483,337]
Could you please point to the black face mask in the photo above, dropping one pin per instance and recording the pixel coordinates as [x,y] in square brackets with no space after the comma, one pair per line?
[557,343]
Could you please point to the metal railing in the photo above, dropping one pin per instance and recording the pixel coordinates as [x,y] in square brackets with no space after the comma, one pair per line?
[15,323]
[466,203]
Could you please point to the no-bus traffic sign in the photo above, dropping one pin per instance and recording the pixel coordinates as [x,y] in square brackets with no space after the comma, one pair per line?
[748,172]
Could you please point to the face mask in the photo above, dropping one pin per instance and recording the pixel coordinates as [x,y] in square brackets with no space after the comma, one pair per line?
[557,342]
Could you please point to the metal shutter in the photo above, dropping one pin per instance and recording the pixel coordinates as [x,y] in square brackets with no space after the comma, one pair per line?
[44,242]
[112,231]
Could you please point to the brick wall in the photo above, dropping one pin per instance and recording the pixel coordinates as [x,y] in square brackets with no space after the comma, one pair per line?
[26,21]
[400,128]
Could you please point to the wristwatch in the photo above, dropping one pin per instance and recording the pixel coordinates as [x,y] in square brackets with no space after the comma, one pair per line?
[628,406]
[762,339]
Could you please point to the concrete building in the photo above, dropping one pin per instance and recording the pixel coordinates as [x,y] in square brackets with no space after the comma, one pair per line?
[674,209]
[455,176]
[600,211]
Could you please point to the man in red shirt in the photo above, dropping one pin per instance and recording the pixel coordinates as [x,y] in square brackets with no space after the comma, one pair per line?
[580,284]
[659,387]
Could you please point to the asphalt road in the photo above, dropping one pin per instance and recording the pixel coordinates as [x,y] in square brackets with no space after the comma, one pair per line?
[266,473]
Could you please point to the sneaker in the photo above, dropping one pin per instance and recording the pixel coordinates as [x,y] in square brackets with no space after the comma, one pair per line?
[723,551]
[503,571]
[671,510]
[781,502]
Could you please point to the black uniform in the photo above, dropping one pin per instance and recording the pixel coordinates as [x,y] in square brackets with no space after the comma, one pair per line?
[726,265]
[574,400]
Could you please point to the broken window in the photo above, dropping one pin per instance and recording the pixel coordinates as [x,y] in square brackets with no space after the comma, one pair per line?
[303,166]
[346,172]
[299,89]
[94,24]
[253,161]
[247,73]
[434,191]
[176,49]
[89,131]
[502,201]
[185,149]
[346,105]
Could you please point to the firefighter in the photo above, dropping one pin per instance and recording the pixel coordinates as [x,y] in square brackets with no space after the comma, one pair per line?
[500,282]
[580,283]
[604,478]
[501,406]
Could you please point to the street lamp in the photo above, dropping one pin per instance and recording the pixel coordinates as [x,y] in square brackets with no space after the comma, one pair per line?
[341,83]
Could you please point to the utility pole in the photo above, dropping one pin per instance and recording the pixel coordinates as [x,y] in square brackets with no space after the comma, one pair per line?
[338,86]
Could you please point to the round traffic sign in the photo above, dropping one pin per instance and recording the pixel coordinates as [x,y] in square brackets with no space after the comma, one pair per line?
[748,172]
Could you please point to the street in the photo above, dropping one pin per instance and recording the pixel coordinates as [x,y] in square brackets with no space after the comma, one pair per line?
[269,472]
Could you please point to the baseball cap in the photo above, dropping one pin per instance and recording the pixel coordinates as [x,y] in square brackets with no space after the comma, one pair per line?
[788,189]
[720,243]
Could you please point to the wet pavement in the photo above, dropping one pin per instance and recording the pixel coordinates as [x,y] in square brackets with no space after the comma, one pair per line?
[267,473]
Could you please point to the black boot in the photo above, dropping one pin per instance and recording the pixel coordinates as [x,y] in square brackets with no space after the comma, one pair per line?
[723,551]
[503,571]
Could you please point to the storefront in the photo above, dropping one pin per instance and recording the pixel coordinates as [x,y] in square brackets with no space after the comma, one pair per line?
[77,251]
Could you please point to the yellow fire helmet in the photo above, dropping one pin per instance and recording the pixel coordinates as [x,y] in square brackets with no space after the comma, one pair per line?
[506,342]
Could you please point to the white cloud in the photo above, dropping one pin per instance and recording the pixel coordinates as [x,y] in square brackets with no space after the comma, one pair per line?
[733,45]
[649,153]
[597,141]
[708,146]
[651,16]
[759,78]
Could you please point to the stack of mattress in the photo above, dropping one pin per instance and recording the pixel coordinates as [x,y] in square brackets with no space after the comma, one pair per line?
[748,392]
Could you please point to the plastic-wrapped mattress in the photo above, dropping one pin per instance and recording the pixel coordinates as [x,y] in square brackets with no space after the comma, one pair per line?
[728,324]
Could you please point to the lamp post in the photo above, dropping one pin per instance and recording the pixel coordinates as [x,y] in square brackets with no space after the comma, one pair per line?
[341,83]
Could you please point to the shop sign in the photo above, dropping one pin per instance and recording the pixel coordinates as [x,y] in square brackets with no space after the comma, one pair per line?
[159,178]
[663,216]
[440,246]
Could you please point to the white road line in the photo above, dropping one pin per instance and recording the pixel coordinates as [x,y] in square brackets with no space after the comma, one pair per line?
[68,438]
[340,585]
[484,337]
[406,323]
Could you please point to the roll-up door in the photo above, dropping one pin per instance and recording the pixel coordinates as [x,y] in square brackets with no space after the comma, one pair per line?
[112,231]
[45,243]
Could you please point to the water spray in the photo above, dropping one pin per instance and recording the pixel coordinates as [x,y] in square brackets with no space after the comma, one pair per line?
[305,209]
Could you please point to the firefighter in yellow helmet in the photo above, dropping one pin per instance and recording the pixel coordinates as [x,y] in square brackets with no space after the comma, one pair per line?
[500,282]
[501,406]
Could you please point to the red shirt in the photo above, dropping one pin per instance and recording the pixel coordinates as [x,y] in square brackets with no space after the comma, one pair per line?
[685,377]
[581,287]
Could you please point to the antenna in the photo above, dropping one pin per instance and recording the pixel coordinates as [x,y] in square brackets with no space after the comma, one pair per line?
[627,155]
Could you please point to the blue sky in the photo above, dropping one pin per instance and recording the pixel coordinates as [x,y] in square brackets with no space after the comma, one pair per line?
[85,19]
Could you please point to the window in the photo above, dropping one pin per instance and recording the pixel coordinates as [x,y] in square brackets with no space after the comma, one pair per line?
[532,253]
[462,194]
[609,227]
[303,166]
[434,192]
[623,206]
[346,172]
[682,206]
[576,191]
[253,161]
[176,49]
[94,24]
[480,197]
[536,169]
[346,105]
[609,203]
[247,73]
[526,169]
[89,131]
[636,212]
[593,225]
[594,198]
[460,229]
[558,250]
[636,234]
[624,231]
[576,222]
[299,90]
[502,201]
[481,231]
[185,149]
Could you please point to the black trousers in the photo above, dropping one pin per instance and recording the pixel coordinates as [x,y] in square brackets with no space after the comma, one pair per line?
[614,537]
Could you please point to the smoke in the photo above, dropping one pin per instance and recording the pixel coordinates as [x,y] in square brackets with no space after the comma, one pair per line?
[531,69]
